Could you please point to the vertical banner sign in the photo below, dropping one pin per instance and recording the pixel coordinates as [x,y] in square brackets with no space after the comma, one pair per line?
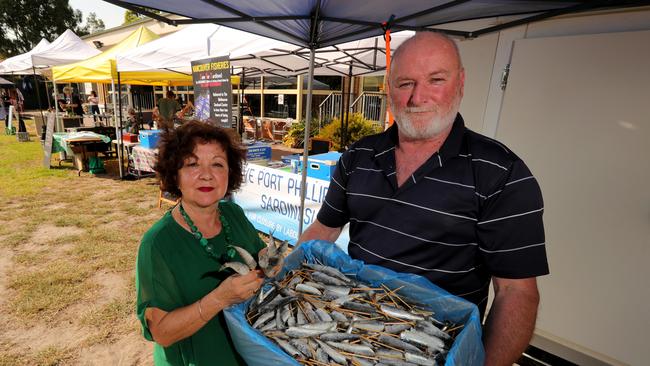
[47,146]
[212,90]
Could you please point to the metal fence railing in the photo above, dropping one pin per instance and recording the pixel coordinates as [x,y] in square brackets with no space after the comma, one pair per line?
[371,105]
[329,108]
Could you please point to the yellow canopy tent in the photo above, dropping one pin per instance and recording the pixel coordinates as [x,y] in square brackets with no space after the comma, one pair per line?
[102,68]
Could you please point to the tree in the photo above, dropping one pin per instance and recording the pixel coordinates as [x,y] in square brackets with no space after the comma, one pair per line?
[93,24]
[23,23]
[130,16]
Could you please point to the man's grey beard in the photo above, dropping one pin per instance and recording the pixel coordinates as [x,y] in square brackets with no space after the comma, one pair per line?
[438,123]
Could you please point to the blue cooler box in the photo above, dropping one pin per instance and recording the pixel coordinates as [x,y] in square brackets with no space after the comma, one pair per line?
[149,138]
[258,151]
[322,166]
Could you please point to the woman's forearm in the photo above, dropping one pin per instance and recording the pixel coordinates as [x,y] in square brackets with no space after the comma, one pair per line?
[168,328]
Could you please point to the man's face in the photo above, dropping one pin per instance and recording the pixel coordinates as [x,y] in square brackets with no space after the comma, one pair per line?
[426,87]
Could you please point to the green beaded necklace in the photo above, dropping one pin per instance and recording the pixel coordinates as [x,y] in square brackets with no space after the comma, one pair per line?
[225,227]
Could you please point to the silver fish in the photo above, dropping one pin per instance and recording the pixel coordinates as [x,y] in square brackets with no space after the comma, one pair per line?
[323,315]
[246,256]
[399,313]
[328,270]
[287,347]
[397,343]
[327,279]
[301,287]
[370,325]
[353,348]
[419,359]
[423,339]
[332,353]
[431,329]
[302,346]
[338,337]
[263,319]
[312,329]
[238,267]
[397,328]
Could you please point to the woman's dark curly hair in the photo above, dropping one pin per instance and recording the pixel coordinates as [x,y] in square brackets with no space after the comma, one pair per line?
[177,145]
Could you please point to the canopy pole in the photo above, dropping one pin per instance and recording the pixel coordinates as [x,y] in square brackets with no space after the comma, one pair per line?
[240,128]
[117,131]
[305,153]
[56,107]
[105,98]
[38,97]
[120,144]
[344,135]
[47,94]
[389,113]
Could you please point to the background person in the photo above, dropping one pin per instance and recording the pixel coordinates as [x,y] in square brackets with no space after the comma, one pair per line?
[428,196]
[93,102]
[167,107]
[180,294]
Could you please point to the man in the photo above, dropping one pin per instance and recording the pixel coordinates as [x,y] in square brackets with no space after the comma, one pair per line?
[430,197]
[167,107]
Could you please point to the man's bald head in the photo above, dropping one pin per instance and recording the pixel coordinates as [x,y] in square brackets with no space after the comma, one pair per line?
[426,39]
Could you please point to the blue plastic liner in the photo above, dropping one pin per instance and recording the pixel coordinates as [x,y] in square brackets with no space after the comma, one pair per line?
[257,350]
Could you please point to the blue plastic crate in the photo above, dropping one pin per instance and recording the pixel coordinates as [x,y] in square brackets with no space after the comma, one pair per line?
[149,138]
[322,166]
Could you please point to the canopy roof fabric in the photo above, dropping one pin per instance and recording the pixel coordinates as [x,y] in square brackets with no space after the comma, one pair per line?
[176,51]
[101,68]
[67,48]
[320,23]
[5,82]
[365,56]
[22,64]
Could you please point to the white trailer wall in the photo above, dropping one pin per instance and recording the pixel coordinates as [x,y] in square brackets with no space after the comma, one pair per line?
[577,110]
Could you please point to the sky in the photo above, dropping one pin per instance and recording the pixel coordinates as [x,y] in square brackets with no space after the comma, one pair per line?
[112,15]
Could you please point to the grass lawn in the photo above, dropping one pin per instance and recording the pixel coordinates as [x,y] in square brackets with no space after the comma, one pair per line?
[67,253]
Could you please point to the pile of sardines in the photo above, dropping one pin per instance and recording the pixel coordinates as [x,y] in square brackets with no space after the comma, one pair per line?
[320,316]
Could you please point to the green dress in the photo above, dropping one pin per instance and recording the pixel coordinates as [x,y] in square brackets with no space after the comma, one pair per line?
[173,270]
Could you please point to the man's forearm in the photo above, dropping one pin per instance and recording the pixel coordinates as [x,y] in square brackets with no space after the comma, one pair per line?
[511,321]
[318,231]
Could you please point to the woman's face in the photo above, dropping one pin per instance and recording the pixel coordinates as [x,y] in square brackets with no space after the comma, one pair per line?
[203,179]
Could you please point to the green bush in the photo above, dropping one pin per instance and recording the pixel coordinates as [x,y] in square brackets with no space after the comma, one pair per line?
[296,134]
[358,127]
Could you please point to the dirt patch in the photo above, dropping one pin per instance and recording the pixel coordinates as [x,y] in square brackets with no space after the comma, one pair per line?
[42,336]
[5,262]
[113,286]
[46,233]
[55,206]
[130,350]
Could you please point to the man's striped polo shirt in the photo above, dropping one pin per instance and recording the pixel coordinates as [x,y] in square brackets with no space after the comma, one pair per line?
[473,210]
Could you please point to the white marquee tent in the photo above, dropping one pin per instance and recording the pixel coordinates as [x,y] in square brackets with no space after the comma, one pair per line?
[22,64]
[67,48]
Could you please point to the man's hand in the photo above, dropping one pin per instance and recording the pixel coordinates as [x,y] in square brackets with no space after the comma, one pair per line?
[510,324]
[318,231]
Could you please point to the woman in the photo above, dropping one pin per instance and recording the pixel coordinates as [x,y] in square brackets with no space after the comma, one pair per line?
[180,291]
[93,101]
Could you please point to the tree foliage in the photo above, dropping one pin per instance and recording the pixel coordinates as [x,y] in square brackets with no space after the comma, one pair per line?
[130,16]
[93,24]
[23,23]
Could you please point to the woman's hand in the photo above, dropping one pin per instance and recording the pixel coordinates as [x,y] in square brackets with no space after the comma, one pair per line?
[237,288]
